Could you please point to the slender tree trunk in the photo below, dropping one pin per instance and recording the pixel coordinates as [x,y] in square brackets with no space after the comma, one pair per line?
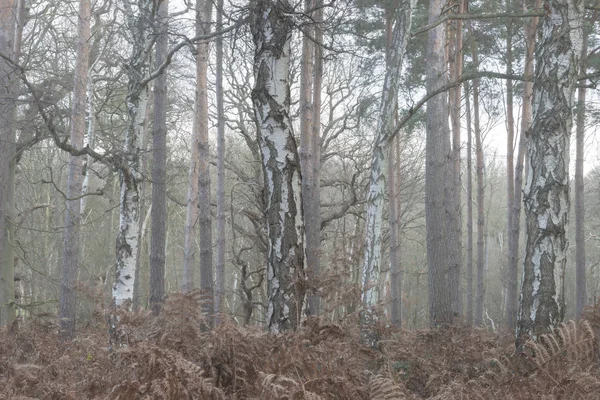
[70,260]
[220,262]
[88,140]
[271,25]
[313,231]
[469,211]
[480,195]
[204,12]
[580,272]
[375,198]
[438,171]
[159,167]
[127,247]
[395,303]
[547,189]
[455,113]
[526,117]
[512,273]
[315,216]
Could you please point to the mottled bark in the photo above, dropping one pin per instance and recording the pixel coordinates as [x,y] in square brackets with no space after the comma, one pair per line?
[127,246]
[580,273]
[438,170]
[8,94]
[158,214]
[402,17]
[395,299]
[271,25]
[546,195]
[204,11]
[220,261]
[71,249]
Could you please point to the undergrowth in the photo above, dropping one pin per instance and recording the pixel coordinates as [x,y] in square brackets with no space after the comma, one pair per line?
[173,357]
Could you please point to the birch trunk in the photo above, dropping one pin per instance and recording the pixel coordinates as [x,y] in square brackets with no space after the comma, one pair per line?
[395,299]
[220,262]
[375,198]
[127,246]
[159,167]
[546,196]
[8,93]
[71,248]
[438,171]
[204,11]
[469,210]
[271,25]
[580,272]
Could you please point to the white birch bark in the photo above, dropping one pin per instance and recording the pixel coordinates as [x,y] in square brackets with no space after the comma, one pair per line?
[375,198]
[89,140]
[127,247]
[271,25]
[546,197]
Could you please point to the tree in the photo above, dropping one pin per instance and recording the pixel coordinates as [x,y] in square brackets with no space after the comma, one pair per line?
[271,25]
[438,176]
[546,195]
[159,166]
[71,246]
[8,91]
[402,17]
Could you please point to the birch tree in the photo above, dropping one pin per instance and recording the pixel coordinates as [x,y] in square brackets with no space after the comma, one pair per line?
[139,23]
[546,195]
[71,246]
[375,199]
[271,25]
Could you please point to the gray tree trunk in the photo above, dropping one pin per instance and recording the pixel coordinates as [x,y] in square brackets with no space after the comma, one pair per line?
[271,25]
[547,189]
[438,171]
[469,210]
[220,262]
[67,309]
[581,282]
[204,12]
[158,213]
[395,299]
[8,93]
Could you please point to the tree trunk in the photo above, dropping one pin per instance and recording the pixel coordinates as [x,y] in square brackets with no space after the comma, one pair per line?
[137,95]
[469,210]
[159,166]
[70,261]
[8,95]
[455,107]
[395,299]
[375,198]
[581,282]
[220,262]
[204,11]
[313,231]
[547,189]
[271,25]
[438,171]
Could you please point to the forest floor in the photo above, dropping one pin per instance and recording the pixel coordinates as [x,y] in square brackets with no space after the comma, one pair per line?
[170,357]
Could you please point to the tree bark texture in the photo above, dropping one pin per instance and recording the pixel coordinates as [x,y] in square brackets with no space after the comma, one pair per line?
[580,272]
[158,213]
[220,261]
[469,210]
[127,248]
[438,170]
[271,25]
[71,247]
[546,197]
[375,199]
[395,299]
[204,12]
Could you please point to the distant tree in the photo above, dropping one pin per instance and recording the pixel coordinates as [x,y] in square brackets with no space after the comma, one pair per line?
[71,241]
[547,189]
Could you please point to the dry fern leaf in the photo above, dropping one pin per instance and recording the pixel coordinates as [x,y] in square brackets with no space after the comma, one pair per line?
[381,388]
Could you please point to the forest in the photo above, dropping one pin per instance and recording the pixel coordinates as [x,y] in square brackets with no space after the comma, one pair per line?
[267,199]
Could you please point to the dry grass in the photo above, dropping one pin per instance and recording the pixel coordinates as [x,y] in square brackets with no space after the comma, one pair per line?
[171,357]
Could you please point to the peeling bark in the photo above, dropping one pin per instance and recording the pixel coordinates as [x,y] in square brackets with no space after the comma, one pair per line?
[546,195]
